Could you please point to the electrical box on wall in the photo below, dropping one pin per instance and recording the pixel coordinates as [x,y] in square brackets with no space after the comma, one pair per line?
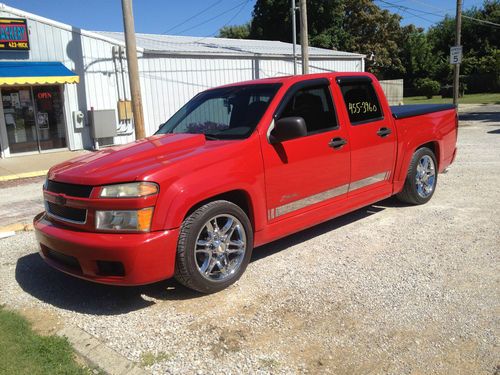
[102,123]
[78,119]
[124,110]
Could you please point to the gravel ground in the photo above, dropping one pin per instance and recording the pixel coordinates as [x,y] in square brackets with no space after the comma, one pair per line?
[387,289]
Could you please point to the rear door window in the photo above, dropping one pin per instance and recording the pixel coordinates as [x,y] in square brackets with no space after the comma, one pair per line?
[361,102]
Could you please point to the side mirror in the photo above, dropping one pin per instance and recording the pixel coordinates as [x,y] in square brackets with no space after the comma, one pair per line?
[287,128]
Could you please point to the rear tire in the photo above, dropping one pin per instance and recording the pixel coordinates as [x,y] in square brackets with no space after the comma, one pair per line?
[214,248]
[421,178]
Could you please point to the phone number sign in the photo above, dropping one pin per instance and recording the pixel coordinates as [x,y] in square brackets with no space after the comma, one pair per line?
[14,34]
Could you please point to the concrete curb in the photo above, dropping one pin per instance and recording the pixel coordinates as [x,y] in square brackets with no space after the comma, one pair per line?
[23,175]
[95,353]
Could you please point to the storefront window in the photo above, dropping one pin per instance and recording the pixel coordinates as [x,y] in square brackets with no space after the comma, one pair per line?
[34,118]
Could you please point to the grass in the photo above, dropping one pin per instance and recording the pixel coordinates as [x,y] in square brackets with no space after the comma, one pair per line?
[25,352]
[149,359]
[487,98]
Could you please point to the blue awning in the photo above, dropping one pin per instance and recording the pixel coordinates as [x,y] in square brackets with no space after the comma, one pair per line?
[35,73]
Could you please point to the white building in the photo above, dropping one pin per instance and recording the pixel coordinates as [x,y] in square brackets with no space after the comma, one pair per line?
[87,71]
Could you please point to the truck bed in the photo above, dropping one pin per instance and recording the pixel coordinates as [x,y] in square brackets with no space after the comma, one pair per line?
[410,110]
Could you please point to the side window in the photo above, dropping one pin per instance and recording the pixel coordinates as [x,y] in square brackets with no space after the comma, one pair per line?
[315,106]
[361,102]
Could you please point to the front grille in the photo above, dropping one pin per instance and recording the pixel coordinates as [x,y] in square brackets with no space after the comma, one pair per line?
[65,260]
[72,190]
[76,215]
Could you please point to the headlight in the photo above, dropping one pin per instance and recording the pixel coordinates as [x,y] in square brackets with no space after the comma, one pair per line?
[130,220]
[130,190]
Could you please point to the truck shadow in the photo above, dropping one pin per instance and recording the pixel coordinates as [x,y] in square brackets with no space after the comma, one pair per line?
[480,116]
[69,293]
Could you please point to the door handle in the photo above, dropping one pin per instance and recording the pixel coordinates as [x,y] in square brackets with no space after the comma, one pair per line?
[337,143]
[384,132]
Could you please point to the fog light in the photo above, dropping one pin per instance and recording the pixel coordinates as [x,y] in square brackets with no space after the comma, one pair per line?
[130,220]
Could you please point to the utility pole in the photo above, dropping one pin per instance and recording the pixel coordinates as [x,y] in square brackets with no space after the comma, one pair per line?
[456,76]
[133,68]
[304,42]
[294,37]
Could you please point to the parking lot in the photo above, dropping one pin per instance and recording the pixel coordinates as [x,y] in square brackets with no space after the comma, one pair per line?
[386,289]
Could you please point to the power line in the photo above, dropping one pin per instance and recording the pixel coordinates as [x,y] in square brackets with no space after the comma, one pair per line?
[242,5]
[213,18]
[408,9]
[193,16]
[234,16]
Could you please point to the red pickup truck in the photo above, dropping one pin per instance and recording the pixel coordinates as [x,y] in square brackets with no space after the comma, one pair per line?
[237,167]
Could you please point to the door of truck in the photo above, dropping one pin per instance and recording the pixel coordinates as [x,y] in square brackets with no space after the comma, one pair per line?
[372,136]
[312,170]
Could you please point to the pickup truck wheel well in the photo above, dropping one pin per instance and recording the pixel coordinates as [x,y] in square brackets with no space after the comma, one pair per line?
[238,197]
[434,146]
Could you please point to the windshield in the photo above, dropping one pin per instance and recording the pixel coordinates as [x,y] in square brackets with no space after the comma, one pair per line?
[225,113]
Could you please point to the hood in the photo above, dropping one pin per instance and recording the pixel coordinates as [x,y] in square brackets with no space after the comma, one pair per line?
[128,162]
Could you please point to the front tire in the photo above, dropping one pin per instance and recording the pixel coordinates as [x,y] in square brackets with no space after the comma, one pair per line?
[421,178]
[214,248]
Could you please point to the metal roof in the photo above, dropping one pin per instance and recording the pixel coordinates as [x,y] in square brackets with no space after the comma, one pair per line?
[173,44]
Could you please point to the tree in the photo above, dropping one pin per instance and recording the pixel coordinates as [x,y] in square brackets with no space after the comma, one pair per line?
[349,25]
[235,31]
[417,55]
[271,20]
[370,29]
[481,47]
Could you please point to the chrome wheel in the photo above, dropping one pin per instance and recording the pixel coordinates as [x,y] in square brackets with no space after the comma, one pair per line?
[425,178]
[220,247]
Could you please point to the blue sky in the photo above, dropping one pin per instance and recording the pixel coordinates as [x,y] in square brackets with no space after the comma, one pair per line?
[173,16]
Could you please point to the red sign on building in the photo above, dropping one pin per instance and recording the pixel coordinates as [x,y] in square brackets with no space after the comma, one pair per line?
[14,34]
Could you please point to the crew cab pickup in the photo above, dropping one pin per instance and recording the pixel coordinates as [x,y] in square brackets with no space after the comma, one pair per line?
[237,167]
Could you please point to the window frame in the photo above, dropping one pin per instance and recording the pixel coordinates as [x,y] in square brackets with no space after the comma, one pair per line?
[308,84]
[345,80]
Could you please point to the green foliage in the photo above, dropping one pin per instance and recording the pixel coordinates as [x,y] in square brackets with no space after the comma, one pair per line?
[371,29]
[417,55]
[481,43]
[24,352]
[427,87]
[272,21]
[348,25]
[235,31]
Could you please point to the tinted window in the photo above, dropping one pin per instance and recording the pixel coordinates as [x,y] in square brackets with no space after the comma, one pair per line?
[226,113]
[361,102]
[315,106]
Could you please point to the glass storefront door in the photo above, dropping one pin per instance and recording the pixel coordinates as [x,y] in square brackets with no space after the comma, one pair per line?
[49,117]
[19,114]
[34,118]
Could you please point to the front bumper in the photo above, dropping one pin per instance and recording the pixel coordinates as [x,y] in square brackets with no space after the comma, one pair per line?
[109,258]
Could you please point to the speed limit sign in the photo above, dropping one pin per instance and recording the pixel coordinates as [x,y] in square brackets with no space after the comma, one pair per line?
[456,55]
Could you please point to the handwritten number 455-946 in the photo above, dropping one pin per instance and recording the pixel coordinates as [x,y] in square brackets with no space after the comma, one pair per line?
[362,107]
